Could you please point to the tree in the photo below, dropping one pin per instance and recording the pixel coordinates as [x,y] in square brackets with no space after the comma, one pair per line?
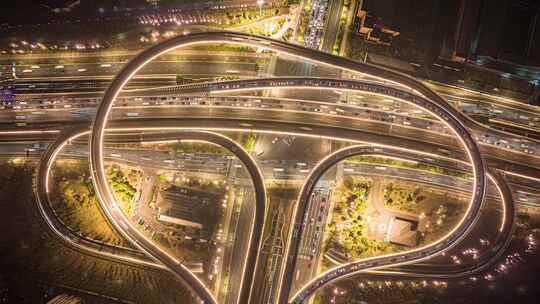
[250,142]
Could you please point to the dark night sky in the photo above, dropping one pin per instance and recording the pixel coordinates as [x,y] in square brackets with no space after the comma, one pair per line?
[36,11]
[16,11]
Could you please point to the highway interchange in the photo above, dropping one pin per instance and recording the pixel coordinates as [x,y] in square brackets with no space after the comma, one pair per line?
[395,86]
[377,151]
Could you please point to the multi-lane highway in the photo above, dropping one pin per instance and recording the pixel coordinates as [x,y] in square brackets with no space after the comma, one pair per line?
[376,88]
[332,25]
[403,124]
[502,112]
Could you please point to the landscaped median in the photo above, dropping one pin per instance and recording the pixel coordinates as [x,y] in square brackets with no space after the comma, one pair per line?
[374,214]
[393,162]
[347,231]
[75,203]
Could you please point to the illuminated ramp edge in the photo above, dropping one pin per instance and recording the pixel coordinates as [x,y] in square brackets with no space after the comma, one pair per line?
[57,227]
[436,106]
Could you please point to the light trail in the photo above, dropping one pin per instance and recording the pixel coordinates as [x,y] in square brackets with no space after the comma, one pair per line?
[19,132]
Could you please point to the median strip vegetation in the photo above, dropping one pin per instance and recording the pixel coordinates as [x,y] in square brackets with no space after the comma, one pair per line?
[408,164]
[188,147]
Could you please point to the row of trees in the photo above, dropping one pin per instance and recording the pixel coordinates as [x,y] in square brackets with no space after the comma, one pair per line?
[194,147]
